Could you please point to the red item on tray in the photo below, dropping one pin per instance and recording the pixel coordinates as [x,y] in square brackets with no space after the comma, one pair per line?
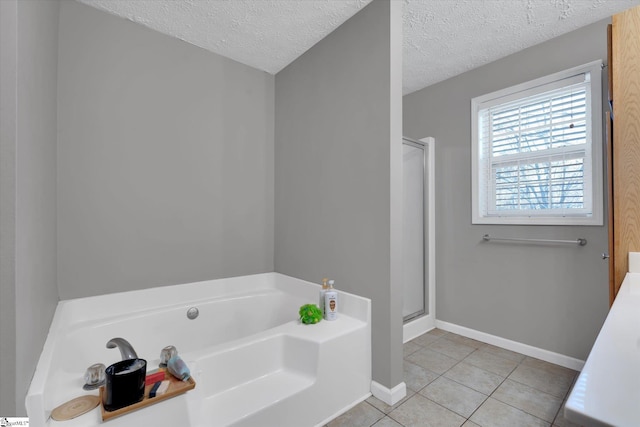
[154,378]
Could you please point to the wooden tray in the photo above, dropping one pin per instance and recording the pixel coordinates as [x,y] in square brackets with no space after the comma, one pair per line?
[176,387]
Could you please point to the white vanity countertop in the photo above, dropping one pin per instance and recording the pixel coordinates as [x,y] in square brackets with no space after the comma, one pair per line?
[607,392]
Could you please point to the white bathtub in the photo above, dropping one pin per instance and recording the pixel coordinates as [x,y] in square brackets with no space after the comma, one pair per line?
[252,360]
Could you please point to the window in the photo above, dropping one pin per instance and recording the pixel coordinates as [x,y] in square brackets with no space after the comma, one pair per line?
[537,151]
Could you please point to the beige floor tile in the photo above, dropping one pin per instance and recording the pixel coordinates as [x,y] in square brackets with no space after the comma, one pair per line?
[387,422]
[556,385]
[470,424]
[502,352]
[437,332]
[384,407]
[416,377]
[464,340]
[452,349]
[473,377]
[409,348]
[432,360]
[361,415]
[425,339]
[549,367]
[493,413]
[530,400]
[460,399]
[421,412]
[491,362]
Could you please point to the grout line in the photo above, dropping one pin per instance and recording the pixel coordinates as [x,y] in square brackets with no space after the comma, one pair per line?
[471,388]
[441,352]
[414,351]
[537,389]
[522,410]
[557,413]
[566,396]
[374,407]
[476,410]
[451,410]
[499,357]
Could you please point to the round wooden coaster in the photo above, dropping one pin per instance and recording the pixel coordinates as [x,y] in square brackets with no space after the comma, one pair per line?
[74,408]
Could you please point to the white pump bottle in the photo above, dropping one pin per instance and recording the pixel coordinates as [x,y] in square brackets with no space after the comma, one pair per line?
[330,303]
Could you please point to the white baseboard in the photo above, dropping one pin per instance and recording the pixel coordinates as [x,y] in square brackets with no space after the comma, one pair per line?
[417,327]
[389,396]
[538,353]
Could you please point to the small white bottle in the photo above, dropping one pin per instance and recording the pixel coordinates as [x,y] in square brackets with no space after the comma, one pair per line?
[322,291]
[331,303]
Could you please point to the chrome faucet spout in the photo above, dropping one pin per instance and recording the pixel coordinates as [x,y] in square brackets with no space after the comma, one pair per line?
[126,350]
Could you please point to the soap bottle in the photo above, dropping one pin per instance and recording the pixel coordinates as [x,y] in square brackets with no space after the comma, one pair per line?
[330,303]
[322,291]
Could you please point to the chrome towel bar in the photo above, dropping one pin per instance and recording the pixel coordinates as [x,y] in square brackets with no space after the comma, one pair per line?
[579,241]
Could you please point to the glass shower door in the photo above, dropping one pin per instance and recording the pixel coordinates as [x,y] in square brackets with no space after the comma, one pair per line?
[413,230]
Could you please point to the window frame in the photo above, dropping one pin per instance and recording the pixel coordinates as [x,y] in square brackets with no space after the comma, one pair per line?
[593,150]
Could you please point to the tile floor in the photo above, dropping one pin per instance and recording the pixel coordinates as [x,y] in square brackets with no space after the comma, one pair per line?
[456,381]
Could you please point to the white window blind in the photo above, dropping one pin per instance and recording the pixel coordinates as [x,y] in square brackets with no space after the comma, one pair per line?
[533,157]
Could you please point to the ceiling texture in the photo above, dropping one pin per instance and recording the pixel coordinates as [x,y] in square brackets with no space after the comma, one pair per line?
[442,38]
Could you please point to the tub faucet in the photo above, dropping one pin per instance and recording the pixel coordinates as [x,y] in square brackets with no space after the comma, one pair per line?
[126,350]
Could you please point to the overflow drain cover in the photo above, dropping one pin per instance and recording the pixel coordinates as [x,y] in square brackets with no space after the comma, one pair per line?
[192,313]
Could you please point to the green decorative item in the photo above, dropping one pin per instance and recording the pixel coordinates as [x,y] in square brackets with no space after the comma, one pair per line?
[310,314]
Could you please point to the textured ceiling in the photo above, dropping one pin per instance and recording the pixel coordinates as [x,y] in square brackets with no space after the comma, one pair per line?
[442,38]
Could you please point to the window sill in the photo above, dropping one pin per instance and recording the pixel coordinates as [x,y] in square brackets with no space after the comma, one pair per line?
[505,220]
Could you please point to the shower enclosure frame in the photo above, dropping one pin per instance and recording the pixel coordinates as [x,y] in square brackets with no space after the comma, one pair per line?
[420,323]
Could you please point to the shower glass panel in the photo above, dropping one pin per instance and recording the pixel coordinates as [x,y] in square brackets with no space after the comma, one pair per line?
[413,230]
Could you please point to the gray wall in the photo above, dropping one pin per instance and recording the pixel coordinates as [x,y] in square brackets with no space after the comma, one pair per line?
[337,159]
[555,298]
[165,159]
[8,133]
[29,45]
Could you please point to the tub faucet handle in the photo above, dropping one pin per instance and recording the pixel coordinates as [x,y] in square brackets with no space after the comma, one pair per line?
[126,349]
[166,354]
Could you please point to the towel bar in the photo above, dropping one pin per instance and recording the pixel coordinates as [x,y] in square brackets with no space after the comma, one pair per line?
[580,241]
